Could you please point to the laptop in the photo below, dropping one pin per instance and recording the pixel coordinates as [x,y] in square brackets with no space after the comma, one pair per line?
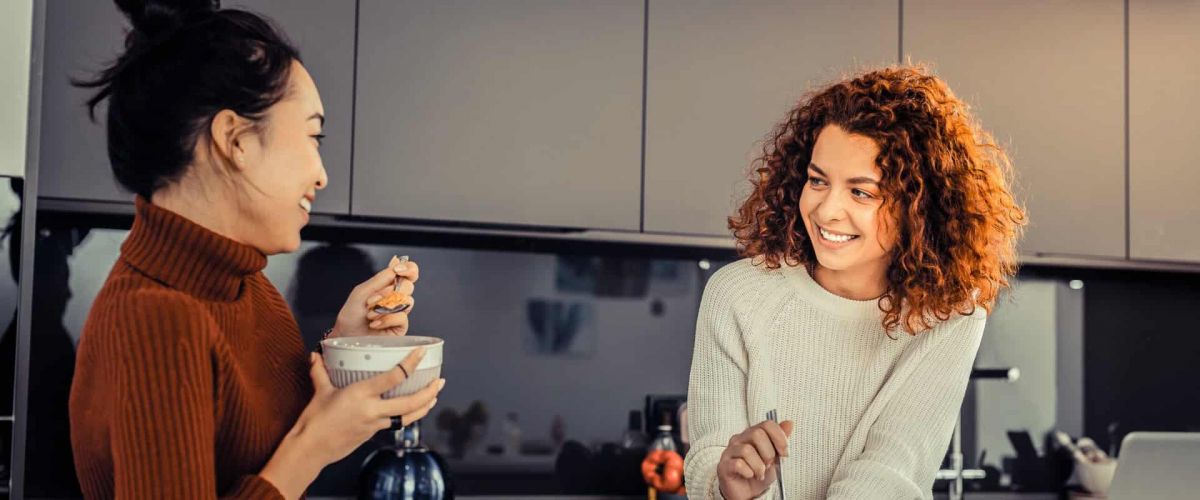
[1157,465]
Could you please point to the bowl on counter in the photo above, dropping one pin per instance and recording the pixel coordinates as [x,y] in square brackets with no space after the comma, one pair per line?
[1096,476]
[353,359]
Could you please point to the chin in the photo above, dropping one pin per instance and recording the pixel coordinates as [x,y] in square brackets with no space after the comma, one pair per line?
[832,263]
[291,245]
[283,244]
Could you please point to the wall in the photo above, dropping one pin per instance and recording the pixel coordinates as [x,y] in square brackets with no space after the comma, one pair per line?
[16,23]
[1036,328]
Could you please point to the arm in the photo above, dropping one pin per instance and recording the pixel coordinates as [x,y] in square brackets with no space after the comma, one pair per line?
[162,423]
[716,389]
[906,443]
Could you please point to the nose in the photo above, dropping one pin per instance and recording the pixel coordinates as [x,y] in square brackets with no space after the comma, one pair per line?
[832,208]
[323,180]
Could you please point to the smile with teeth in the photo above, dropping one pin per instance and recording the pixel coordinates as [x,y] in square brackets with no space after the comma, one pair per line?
[835,237]
[306,205]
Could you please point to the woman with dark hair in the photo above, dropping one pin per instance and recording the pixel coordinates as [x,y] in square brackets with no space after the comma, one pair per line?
[878,234]
[192,380]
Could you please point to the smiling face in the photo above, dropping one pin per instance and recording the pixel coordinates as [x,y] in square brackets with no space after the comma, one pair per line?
[282,169]
[842,204]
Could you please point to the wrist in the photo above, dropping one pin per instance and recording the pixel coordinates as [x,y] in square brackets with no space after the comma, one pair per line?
[291,469]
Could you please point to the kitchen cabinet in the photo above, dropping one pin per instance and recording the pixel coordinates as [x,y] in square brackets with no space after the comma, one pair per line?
[721,74]
[1047,79]
[522,112]
[1164,73]
[81,36]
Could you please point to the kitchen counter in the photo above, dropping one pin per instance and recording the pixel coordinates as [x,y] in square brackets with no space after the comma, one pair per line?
[937,496]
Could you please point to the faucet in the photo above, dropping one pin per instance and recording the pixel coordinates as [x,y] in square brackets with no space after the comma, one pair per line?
[956,473]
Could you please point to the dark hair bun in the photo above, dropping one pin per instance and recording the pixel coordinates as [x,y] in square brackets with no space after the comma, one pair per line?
[152,17]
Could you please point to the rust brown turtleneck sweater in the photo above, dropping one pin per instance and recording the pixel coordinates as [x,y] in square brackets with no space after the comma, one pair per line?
[190,369]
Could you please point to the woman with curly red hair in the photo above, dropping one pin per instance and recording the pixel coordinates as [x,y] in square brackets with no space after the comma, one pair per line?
[878,234]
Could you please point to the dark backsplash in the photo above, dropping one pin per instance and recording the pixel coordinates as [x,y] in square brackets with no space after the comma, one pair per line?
[1141,346]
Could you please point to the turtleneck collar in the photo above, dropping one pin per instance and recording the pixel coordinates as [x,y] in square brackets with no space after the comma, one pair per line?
[187,256]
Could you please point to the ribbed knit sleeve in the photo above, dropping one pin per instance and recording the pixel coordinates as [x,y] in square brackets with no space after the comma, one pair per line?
[162,427]
[717,386]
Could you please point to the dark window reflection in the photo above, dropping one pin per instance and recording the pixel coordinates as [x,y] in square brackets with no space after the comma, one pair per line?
[49,467]
[10,212]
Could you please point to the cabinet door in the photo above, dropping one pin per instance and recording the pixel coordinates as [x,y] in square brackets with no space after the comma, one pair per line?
[1047,78]
[721,74]
[1164,73]
[521,112]
[84,35]
[81,37]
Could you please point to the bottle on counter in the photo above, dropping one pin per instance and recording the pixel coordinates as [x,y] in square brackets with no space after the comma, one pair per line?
[512,434]
[664,440]
[633,438]
[663,467]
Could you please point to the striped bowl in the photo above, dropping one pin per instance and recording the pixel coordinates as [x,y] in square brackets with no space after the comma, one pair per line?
[353,359]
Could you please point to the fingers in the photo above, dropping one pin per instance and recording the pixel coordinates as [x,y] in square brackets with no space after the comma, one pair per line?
[382,280]
[320,377]
[761,442]
[421,412]
[779,438]
[736,466]
[408,270]
[411,272]
[787,426]
[749,453]
[396,323]
[385,381]
[412,403]
[741,468]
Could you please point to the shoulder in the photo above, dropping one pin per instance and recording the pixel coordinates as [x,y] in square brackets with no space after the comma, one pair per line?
[743,277]
[150,314]
[744,291]
[962,332]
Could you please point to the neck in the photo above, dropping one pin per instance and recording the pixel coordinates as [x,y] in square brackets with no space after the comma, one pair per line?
[864,282]
[202,201]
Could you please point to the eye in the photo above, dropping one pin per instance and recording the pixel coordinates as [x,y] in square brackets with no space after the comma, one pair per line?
[817,181]
[320,138]
[860,194]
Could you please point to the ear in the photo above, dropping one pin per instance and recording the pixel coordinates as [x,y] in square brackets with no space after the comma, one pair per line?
[229,132]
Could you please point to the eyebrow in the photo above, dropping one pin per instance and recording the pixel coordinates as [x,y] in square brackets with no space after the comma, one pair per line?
[853,180]
[318,116]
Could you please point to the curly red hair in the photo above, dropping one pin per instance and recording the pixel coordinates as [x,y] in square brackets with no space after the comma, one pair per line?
[945,182]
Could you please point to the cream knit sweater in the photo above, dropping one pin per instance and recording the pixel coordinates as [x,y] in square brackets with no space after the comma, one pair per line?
[873,416]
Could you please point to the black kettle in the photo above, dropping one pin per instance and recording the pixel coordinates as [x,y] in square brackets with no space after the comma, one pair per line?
[405,471]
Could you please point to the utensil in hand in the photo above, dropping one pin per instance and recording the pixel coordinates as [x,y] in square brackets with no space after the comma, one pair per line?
[395,289]
[773,416]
